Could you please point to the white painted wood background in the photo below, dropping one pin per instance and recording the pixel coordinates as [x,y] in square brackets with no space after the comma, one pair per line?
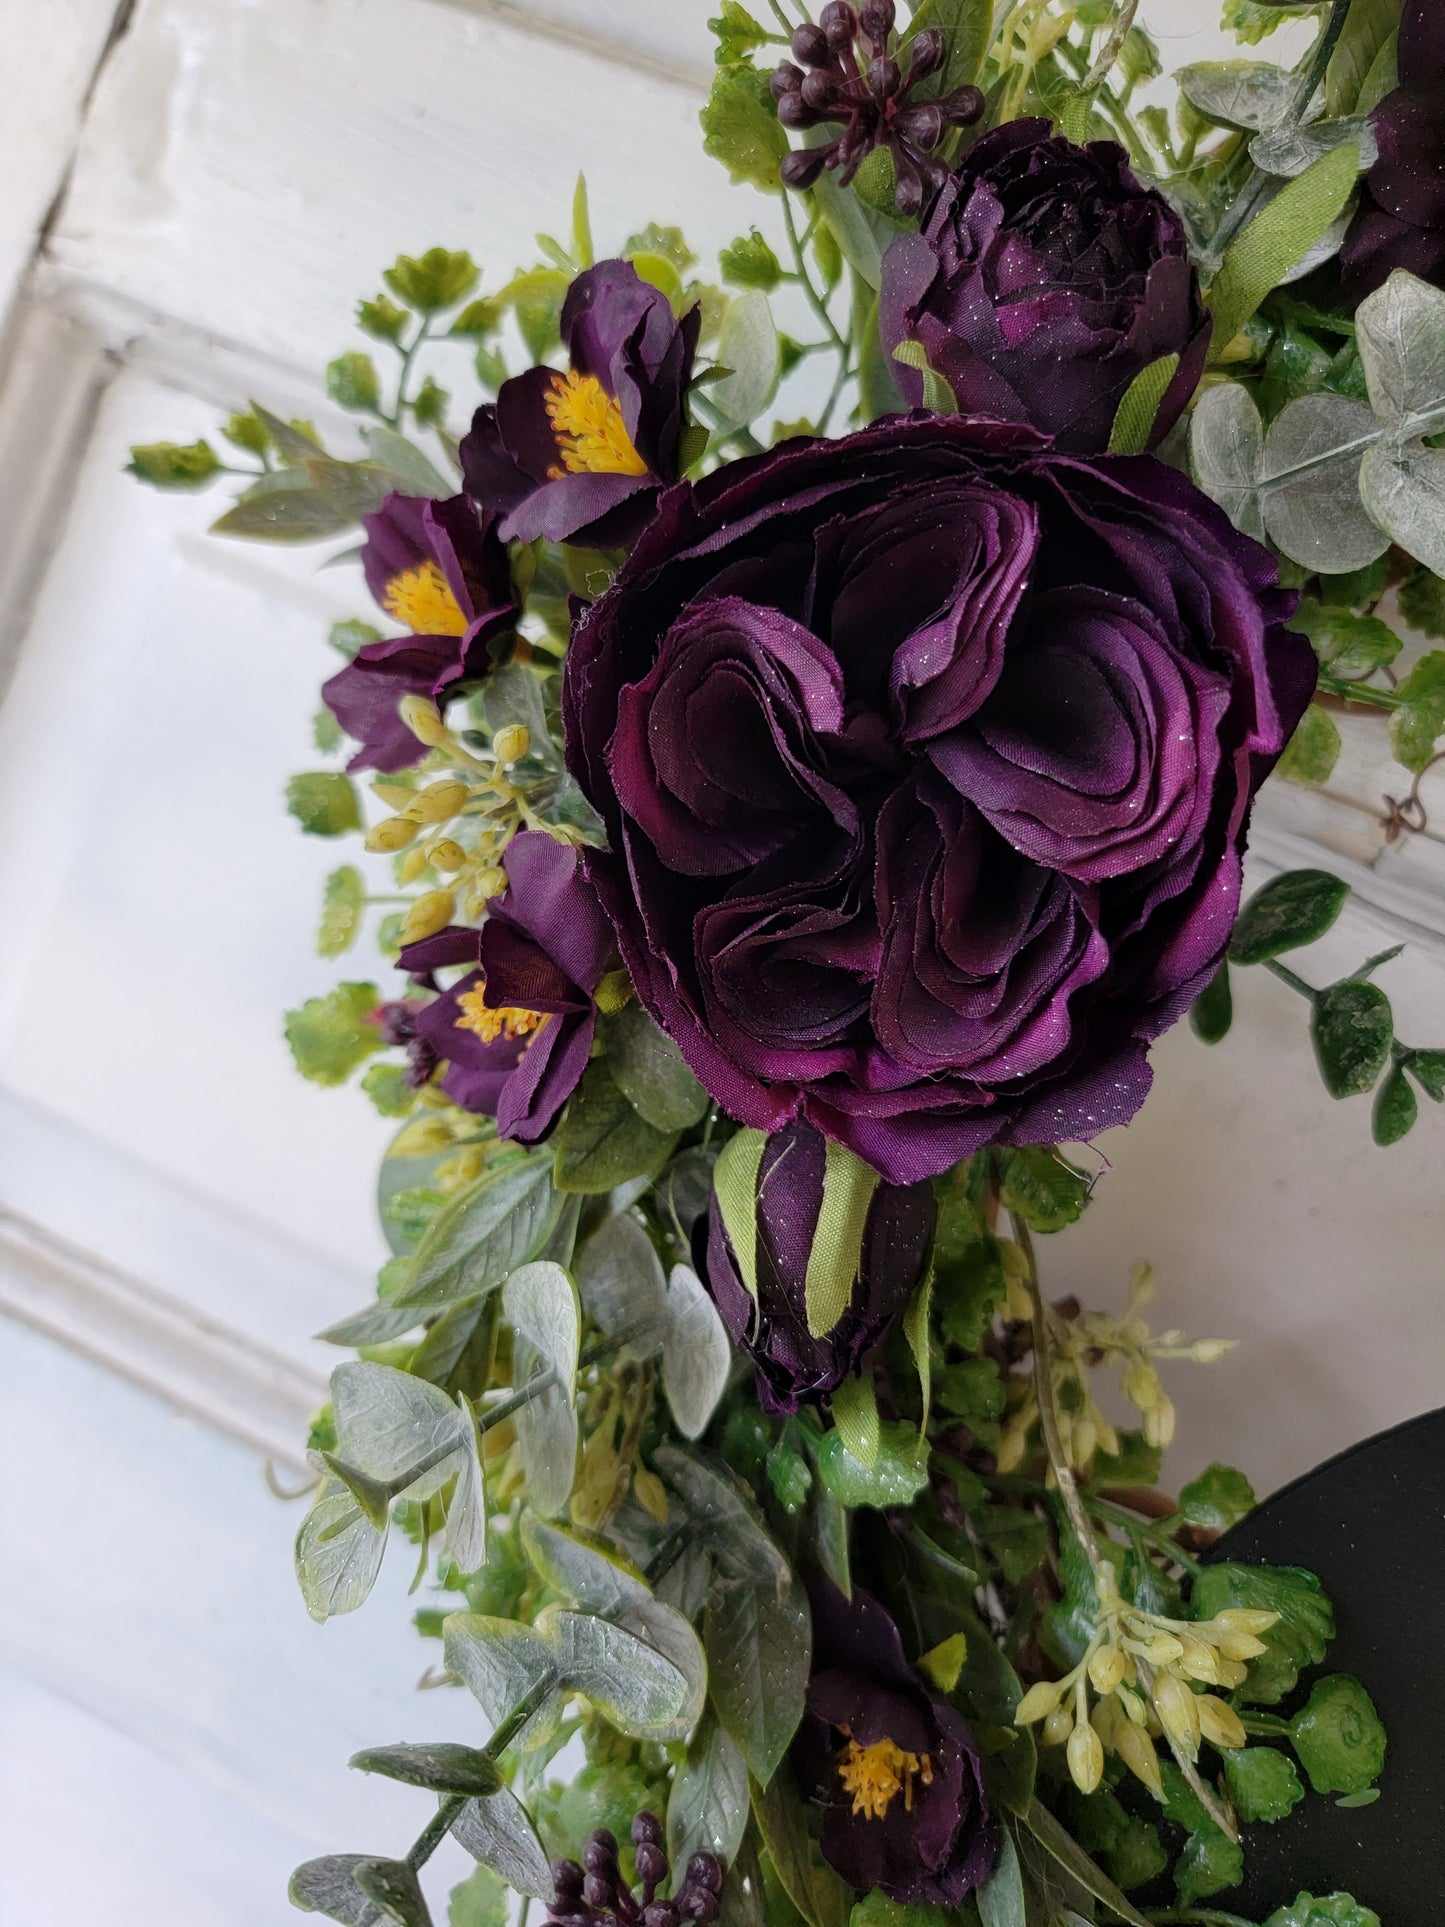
[196,191]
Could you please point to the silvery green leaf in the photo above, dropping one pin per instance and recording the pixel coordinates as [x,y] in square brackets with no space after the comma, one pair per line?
[665,1629]
[374,1324]
[686,1581]
[685,1187]
[540,1303]
[338,1555]
[627,1680]
[759,1648]
[1401,334]
[621,1281]
[388,1422]
[1249,94]
[1226,452]
[648,1069]
[1311,490]
[1288,151]
[394,1886]
[748,346]
[326,1886]
[499,1833]
[1326,248]
[546,1429]
[500,1661]
[1403,486]
[707,1810]
[413,473]
[467,1507]
[485,1232]
[696,1354]
[722,1518]
[596,1580]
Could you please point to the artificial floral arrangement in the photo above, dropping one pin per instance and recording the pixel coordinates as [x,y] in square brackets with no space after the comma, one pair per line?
[794,832]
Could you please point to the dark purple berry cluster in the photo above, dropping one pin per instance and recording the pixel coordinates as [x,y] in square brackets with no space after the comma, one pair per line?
[852,77]
[595,1894]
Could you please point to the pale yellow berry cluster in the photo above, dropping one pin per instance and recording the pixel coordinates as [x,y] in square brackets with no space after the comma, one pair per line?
[1078,1346]
[1142,1672]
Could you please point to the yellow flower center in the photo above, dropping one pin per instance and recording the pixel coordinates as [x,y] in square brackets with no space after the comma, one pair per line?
[421,600]
[591,436]
[875,1775]
[483,1021]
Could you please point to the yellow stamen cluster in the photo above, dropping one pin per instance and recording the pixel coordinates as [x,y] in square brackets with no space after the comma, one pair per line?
[875,1776]
[1143,1671]
[421,600]
[488,1023]
[590,433]
[1077,1346]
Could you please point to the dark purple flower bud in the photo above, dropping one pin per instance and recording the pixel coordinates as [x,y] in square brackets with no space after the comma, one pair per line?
[927,53]
[601,1852]
[705,1870]
[894,1767]
[922,125]
[647,1828]
[810,46]
[1401,217]
[819,90]
[785,79]
[578,455]
[909,189]
[768,1255]
[884,77]
[876,22]
[440,571]
[651,1865]
[803,166]
[567,1879]
[795,112]
[515,1032]
[659,1913]
[839,24]
[696,1903]
[1045,278]
[963,106]
[925,758]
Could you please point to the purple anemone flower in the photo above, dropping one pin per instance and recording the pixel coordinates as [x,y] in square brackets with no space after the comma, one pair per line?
[794,1365]
[894,1765]
[1401,217]
[515,1032]
[578,455]
[1044,279]
[441,571]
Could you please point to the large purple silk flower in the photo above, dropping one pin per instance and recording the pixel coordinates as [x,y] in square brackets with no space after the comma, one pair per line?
[1400,222]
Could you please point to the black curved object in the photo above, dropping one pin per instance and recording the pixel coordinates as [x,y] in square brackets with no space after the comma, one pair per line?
[1371,1524]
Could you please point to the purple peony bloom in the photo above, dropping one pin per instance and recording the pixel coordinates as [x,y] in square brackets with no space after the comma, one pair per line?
[516,1031]
[793,1365]
[443,574]
[894,1765]
[1401,217]
[579,456]
[926,759]
[1045,278]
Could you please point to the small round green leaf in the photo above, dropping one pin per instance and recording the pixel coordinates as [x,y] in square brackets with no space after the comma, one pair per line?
[442,1766]
[1396,1109]
[1353,1028]
[1213,1010]
[1339,1736]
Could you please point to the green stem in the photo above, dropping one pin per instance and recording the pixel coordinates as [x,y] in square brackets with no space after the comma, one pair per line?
[535,1696]
[1152,1534]
[1357,692]
[1266,1726]
[805,280]
[435,1831]
[1048,1412]
[408,358]
[1287,976]
[840,382]
[1205,1916]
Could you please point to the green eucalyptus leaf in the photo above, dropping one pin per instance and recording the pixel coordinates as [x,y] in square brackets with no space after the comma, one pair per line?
[602,1141]
[1400,329]
[1352,1029]
[648,1069]
[621,1282]
[442,1766]
[1306,1626]
[327,1886]
[1402,485]
[324,803]
[540,1303]
[499,1833]
[1226,453]
[483,1234]
[1339,1737]
[409,469]
[1396,1109]
[1218,1499]
[696,1353]
[1288,151]
[758,1636]
[394,1887]
[338,1555]
[501,1661]
[397,1429]
[1251,95]
[547,1434]
[1311,484]
[627,1679]
[1290,911]
[863,235]
[284,506]
[1262,1782]
[748,347]
[707,1809]
[331,1035]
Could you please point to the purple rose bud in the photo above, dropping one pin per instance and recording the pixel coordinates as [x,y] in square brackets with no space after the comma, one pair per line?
[764,1259]
[1044,279]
